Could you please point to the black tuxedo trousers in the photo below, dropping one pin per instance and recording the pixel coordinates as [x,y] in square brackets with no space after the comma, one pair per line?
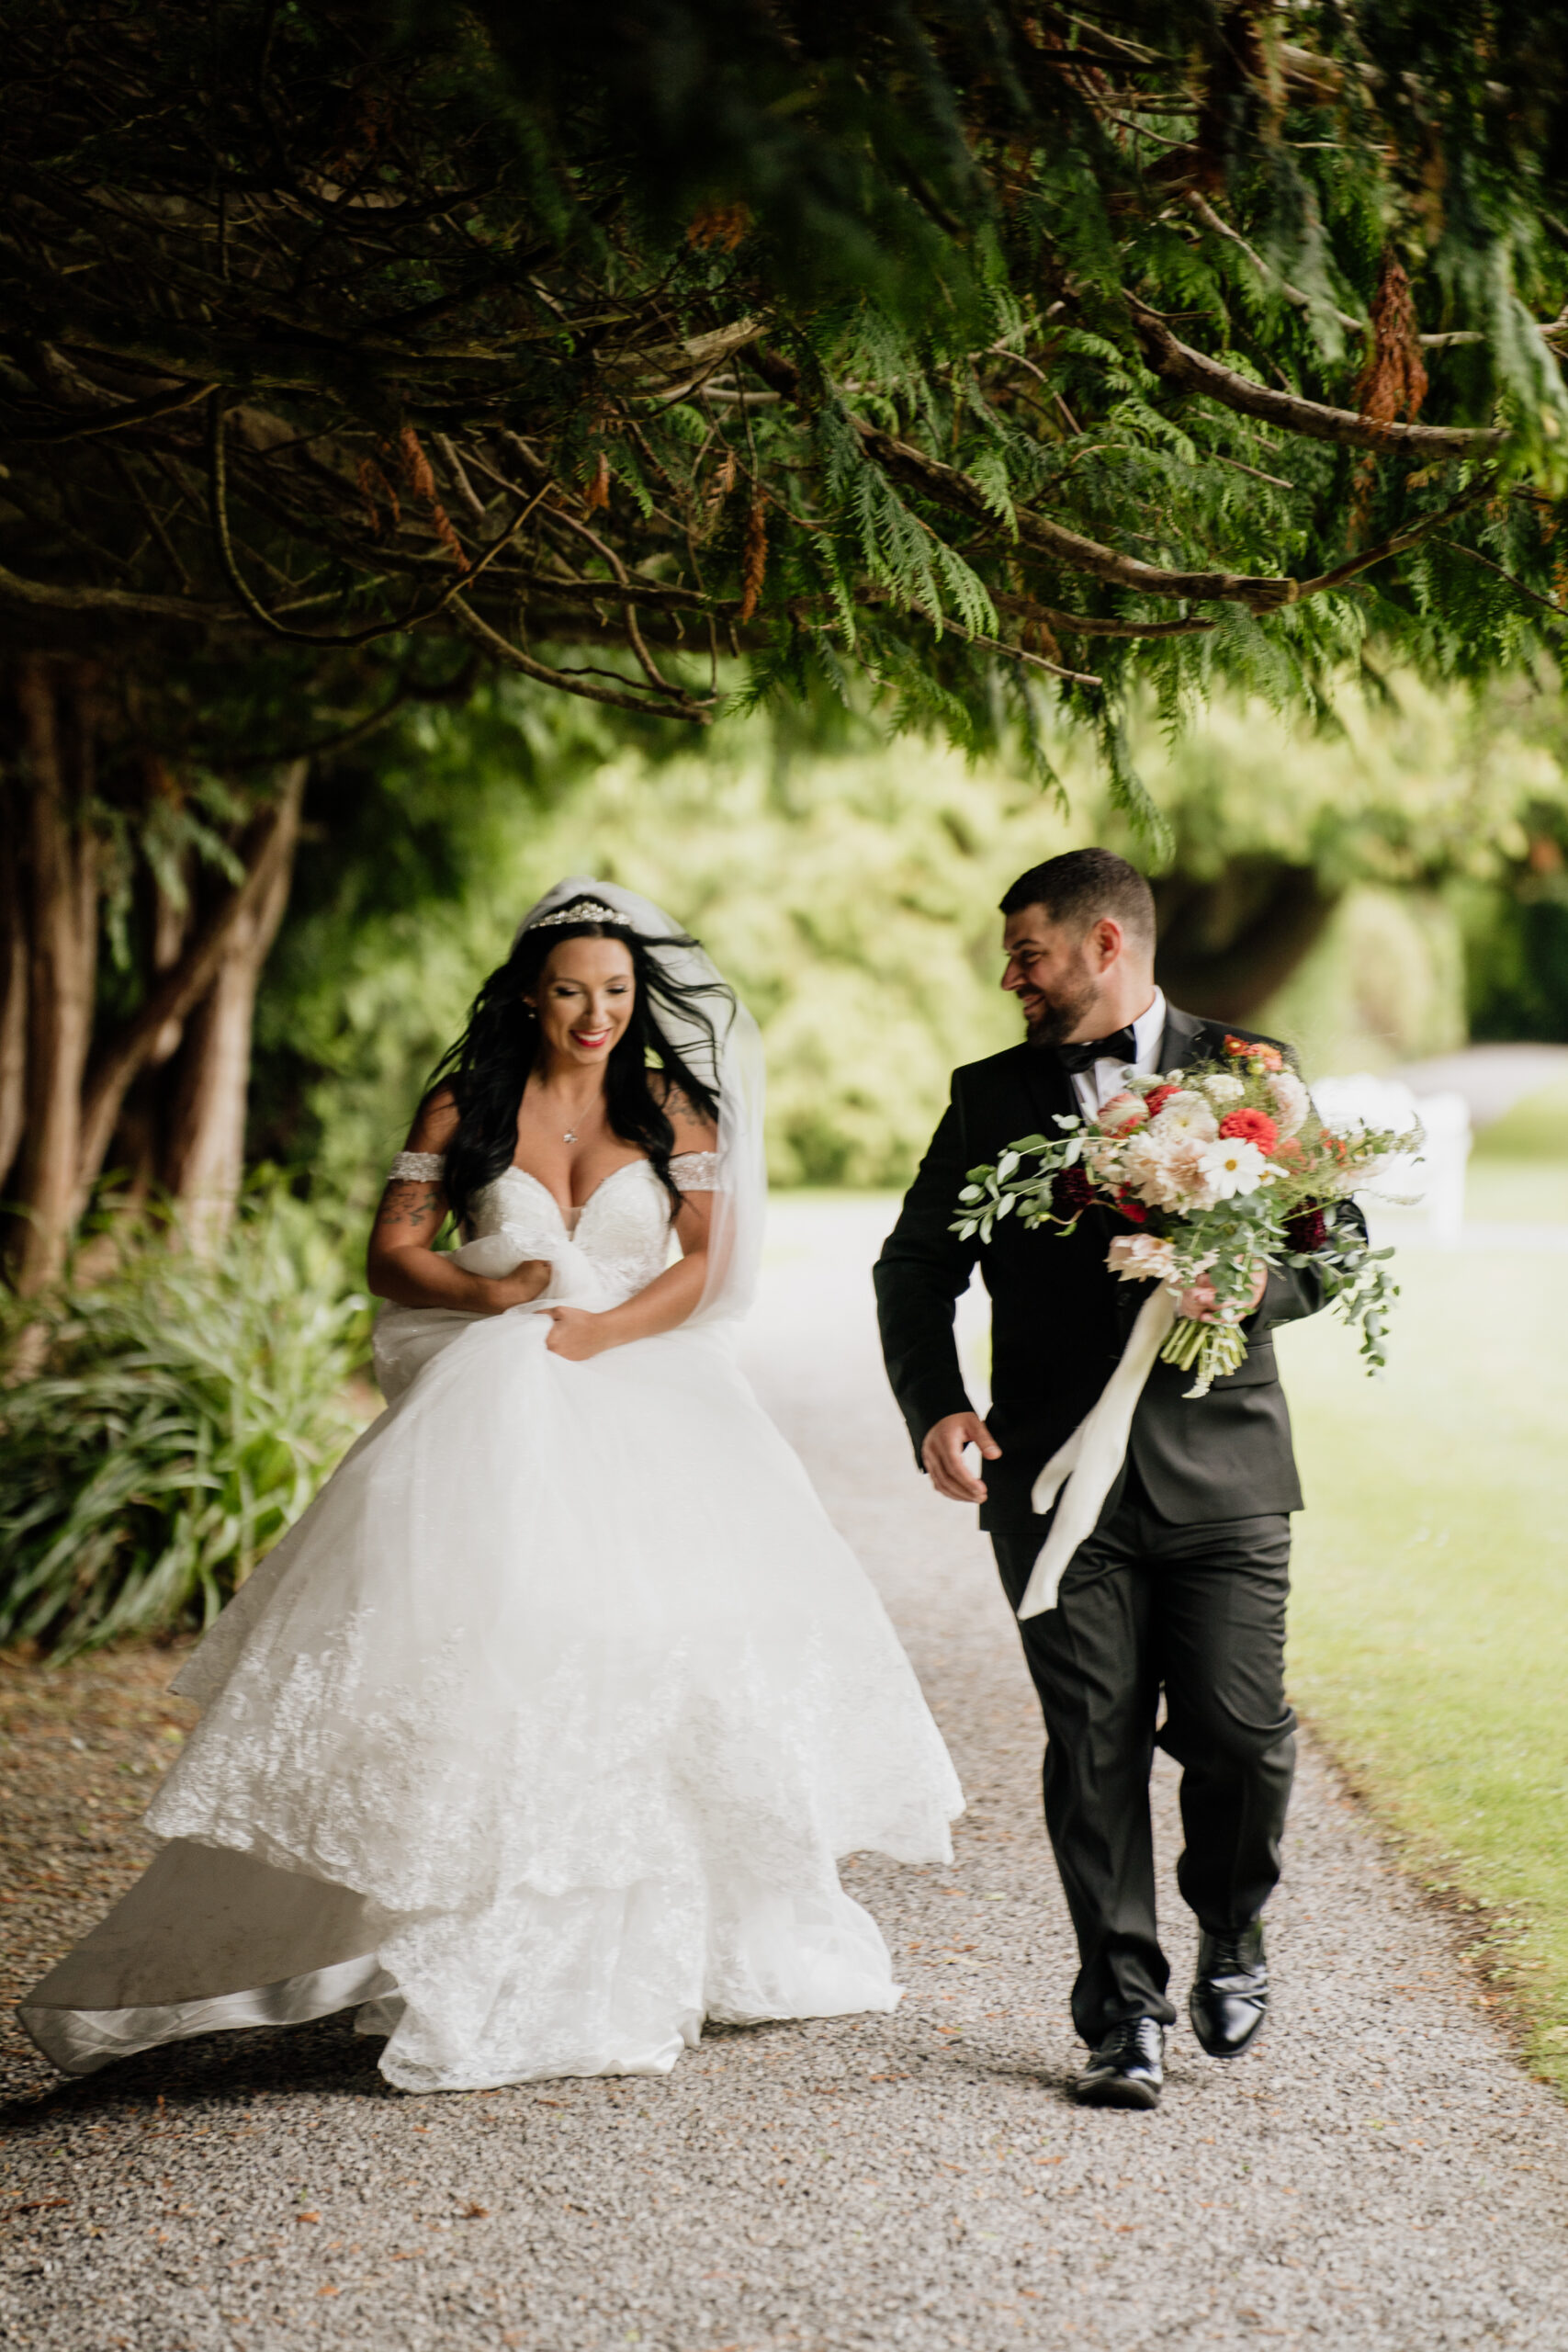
[1181,1589]
[1197,1610]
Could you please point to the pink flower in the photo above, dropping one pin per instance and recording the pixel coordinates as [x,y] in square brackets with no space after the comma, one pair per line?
[1122,1113]
[1140,1257]
[1167,1170]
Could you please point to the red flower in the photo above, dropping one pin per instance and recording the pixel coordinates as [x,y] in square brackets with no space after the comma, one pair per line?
[1133,1211]
[1251,1127]
[1154,1103]
[1308,1230]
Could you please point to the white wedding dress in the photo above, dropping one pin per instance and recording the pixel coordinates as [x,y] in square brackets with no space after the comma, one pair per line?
[539,1736]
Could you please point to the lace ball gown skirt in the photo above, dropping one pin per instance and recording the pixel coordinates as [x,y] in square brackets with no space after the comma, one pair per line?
[538,1737]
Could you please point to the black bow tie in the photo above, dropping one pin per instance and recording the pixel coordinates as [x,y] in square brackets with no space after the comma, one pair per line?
[1121,1046]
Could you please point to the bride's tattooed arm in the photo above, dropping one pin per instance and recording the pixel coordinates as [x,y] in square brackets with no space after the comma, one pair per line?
[694,1131]
[418,1209]
[402,1263]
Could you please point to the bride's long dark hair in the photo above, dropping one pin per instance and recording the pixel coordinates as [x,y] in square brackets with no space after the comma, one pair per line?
[488,1067]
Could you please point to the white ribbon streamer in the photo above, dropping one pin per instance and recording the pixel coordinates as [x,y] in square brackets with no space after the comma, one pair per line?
[1087,1465]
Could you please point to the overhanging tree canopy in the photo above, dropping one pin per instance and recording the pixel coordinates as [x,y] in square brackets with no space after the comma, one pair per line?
[980,349]
[972,345]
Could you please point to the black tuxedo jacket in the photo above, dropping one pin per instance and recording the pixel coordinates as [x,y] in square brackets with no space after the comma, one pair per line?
[1059,1319]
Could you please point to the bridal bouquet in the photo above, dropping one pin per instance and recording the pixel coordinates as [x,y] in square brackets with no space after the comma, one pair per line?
[1215,1175]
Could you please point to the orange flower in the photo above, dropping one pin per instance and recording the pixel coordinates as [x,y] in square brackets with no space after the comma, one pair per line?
[1258,1057]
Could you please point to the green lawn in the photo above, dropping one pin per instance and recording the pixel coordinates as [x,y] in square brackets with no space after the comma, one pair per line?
[1520,1172]
[1535,1129]
[1429,1640]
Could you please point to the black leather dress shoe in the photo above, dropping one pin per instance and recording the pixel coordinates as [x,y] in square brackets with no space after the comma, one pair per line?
[1128,2068]
[1229,1999]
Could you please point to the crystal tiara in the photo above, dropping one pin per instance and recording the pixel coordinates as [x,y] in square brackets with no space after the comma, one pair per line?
[579,910]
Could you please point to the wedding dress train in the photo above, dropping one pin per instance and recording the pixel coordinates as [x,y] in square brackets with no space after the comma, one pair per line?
[539,1736]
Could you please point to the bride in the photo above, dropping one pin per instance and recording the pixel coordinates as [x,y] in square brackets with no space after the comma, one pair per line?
[537,1738]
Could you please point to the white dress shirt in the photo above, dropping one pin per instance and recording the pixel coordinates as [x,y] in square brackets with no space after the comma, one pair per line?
[1095,1087]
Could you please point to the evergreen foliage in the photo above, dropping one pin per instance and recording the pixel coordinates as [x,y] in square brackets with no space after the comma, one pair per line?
[978,349]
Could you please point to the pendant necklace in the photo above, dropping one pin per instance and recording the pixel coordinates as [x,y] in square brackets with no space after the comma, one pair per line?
[570,1135]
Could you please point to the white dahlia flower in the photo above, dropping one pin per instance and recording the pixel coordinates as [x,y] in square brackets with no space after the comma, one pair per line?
[1187,1113]
[1223,1088]
[1233,1167]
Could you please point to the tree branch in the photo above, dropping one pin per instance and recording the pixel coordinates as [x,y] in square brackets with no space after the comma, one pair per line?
[402,626]
[113,420]
[44,595]
[1400,540]
[1092,624]
[949,488]
[1200,204]
[573,682]
[1178,364]
[1534,595]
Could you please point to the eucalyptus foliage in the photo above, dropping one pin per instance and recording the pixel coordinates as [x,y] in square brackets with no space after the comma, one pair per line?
[984,349]
[168,1422]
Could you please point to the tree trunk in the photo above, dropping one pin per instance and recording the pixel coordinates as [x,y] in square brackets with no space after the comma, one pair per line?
[1225,945]
[206,1145]
[13,991]
[62,891]
[137,1147]
[268,851]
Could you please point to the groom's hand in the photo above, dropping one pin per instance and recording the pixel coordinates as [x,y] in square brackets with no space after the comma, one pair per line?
[1198,1303]
[942,1454]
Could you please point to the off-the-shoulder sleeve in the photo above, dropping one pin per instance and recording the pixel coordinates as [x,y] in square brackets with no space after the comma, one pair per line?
[695,1171]
[417,1166]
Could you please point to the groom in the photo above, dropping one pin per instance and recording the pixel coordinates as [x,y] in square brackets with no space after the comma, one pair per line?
[1182,1585]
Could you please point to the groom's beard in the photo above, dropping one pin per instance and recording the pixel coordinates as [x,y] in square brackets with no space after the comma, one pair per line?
[1050,1021]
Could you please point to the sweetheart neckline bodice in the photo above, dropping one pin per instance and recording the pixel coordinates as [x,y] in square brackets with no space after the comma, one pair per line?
[571,1217]
[624,1230]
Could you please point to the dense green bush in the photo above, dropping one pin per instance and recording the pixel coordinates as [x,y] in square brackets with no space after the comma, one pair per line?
[160,1425]
[1516,932]
[849,887]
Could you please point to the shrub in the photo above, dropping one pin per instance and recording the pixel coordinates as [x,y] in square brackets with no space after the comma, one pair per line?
[161,1426]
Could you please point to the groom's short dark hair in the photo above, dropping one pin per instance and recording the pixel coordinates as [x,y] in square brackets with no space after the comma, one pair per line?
[1080,886]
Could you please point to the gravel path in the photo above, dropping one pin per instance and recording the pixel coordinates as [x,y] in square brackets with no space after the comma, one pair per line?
[1379,2173]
